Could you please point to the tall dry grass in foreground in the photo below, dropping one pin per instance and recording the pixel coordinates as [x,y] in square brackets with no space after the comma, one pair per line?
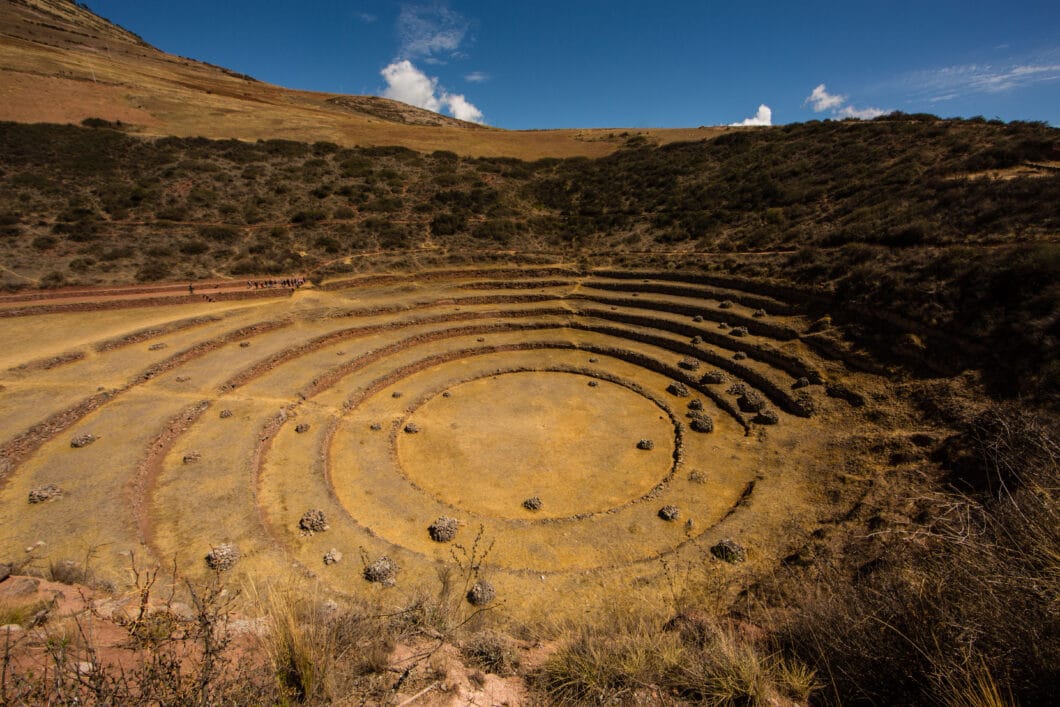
[958,608]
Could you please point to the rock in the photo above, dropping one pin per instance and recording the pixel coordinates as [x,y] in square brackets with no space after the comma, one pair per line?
[481,593]
[723,325]
[594,360]
[40,494]
[446,394]
[751,401]
[396,394]
[225,414]
[375,427]
[725,304]
[800,383]
[669,512]
[382,571]
[738,331]
[593,384]
[244,344]
[701,423]
[766,416]
[19,587]
[697,319]
[182,379]
[313,521]
[696,340]
[5,572]
[192,457]
[532,504]
[156,347]
[713,377]
[83,440]
[480,339]
[223,557]
[443,529]
[695,404]
[303,427]
[739,356]
[729,551]
[677,388]
[332,556]
[689,364]
[759,313]
[412,428]
[646,445]
[697,477]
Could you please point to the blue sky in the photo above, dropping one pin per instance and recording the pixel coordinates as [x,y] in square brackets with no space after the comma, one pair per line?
[633,63]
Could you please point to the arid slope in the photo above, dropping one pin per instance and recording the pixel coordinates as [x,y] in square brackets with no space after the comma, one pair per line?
[60,63]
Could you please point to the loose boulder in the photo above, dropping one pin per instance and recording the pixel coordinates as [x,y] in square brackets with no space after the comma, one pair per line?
[313,521]
[481,593]
[443,529]
[83,440]
[223,557]
[382,571]
[669,512]
[40,494]
[729,551]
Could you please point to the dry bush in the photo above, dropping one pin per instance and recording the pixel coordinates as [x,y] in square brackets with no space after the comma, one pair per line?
[968,593]
[636,656]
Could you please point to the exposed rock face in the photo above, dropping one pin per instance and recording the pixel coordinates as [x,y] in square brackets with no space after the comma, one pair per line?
[382,571]
[669,512]
[532,504]
[223,557]
[40,494]
[443,529]
[83,440]
[729,551]
[481,593]
[313,521]
[646,445]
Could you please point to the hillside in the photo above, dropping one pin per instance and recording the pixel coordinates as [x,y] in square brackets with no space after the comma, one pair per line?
[947,225]
[60,63]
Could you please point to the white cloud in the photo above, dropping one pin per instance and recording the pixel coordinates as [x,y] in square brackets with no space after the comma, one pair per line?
[821,100]
[764,116]
[862,113]
[430,30]
[949,82]
[477,77]
[408,84]
[461,109]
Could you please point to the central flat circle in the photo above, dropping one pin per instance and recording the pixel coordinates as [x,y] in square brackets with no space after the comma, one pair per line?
[495,442]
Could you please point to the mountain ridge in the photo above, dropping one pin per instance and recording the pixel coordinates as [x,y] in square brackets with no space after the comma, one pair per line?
[62,63]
